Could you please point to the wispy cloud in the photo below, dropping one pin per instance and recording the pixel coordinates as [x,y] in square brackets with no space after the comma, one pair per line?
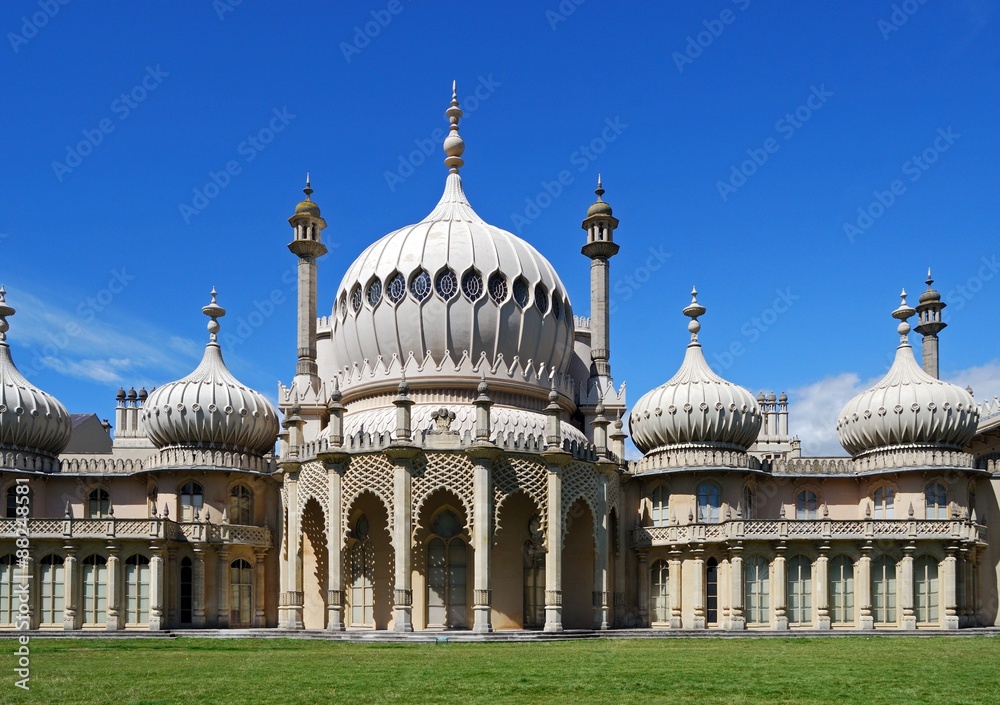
[813,409]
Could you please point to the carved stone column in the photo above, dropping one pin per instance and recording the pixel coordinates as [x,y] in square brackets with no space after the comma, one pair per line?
[949,592]
[822,590]
[335,463]
[779,591]
[222,588]
[676,589]
[556,460]
[863,590]
[483,455]
[737,621]
[157,618]
[70,591]
[601,556]
[198,587]
[170,590]
[402,455]
[292,599]
[114,588]
[905,589]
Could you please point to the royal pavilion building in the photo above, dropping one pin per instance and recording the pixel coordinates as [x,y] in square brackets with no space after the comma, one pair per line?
[450,454]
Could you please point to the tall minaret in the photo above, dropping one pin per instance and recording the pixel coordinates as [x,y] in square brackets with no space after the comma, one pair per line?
[600,226]
[929,325]
[308,246]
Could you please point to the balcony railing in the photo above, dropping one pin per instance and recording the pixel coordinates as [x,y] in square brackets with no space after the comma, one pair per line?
[739,530]
[149,529]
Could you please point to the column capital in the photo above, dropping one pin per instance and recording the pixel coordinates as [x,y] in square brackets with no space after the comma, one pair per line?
[484,452]
[334,460]
[556,459]
[402,453]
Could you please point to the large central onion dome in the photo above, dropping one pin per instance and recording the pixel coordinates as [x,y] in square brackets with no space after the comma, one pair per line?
[453,285]
[908,409]
[695,409]
[32,422]
[210,409]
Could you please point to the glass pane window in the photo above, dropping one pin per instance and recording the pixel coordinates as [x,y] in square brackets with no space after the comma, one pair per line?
[498,287]
[556,305]
[799,590]
[884,590]
[936,501]
[240,593]
[884,498]
[396,288]
[709,503]
[472,285]
[712,591]
[659,593]
[137,590]
[240,505]
[541,298]
[660,509]
[94,576]
[925,589]
[51,577]
[192,500]
[806,505]
[521,292]
[420,285]
[356,298]
[98,504]
[841,590]
[374,292]
[8,598]
[446,573]
[757,591]
[446,285]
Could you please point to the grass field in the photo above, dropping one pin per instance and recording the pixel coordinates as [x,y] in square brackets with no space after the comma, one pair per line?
[855,669]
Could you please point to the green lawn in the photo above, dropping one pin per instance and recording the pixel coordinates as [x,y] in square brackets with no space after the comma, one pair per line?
[855,669]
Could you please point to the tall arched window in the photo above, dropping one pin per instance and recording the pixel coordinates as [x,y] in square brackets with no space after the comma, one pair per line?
[192,500]
[884,498]
[659,593]
[361,566]
[8,602]
[240,505]
[799,590]
[94,576]
[240,593]
[533,552]
[661,506]
[925,589]
[841,590]
[446,573]
[51,589]
[884,590]
[98,504]
[187,592]
[749,503]
[712,591]
[137,590]
[806,505]
[757,591]
[936,501]
[709,503]
[11,511]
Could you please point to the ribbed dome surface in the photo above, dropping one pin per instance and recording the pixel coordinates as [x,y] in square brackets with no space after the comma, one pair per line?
[452,283]
[30,420]
[210,409]
[908,409]
[695,408]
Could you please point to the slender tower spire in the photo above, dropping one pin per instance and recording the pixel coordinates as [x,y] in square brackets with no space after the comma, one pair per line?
[307,245]
[601,247]
[929,324]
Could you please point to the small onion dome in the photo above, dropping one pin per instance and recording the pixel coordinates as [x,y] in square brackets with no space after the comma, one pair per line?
[930,295]
[695,409]
[31,421]
[599,207]
[120,396]
[908,409]
[209,408]
[307,206]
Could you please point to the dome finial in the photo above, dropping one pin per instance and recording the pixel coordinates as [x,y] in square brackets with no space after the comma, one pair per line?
[454,146]
[308,191]
[213,311]
[929,280]
[600,188]
[5,310]
[693,311]
[901,314]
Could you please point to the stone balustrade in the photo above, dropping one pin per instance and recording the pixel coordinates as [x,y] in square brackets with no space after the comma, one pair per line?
[152,528]
[739,530]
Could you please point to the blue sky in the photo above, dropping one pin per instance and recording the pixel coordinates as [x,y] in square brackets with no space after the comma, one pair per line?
[798,162]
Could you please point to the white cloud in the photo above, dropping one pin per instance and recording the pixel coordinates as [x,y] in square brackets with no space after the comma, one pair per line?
[101,371]
[813,409]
